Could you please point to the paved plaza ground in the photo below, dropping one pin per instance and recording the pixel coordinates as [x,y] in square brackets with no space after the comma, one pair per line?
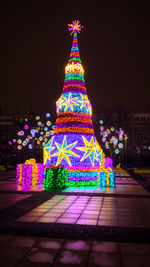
[76,226]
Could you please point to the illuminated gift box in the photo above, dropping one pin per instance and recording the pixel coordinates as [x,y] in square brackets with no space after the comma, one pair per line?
[30,173]
[108,163]
[56,177]
[107,178]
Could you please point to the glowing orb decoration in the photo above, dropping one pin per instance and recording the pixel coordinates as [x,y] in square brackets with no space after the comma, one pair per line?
[39,123]
[102,131]
[120,132]
[75,27]
[53,127]
[37,118]
[14,140]
[19,141]
[26,126]
[101,127]
[48,115]
[26,119]
[108,131]
[112,129]
[103,139]
[19,147]
[105,134]
[101,122]
[24,143]
[40,138]
[48,123]
[9,143]
[33,132]
[120,137]
[21,133]
[30,146]
[45,129]
[120,145]
[115,142]
[41,133]
[48,134]
[117,151]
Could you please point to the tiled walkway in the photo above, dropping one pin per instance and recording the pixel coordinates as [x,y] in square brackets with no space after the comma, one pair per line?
[121,214]
[88,210]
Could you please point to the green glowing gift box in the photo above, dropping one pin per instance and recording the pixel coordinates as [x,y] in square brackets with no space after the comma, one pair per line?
[56,177]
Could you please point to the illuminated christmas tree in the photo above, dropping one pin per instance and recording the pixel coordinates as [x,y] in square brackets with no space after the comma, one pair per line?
[74,144]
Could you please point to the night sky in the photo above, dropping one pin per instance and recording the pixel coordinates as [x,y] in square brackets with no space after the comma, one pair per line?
[35,46]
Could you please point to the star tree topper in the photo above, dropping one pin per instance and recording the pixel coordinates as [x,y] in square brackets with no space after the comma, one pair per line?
[75,26]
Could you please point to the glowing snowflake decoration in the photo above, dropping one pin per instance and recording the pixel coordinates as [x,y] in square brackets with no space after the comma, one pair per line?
[59,103]
[64,151]
[70,102]
[75,27]
[84,101]
[48,149]
[89,149]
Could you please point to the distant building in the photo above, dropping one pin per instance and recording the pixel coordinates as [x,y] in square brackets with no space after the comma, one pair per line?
[6,126]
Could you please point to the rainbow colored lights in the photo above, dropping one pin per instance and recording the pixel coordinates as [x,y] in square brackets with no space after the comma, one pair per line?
[74,144]
[75,26]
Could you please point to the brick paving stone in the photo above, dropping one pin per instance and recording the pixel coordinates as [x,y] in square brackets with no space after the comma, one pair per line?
[105,247]
[104,259]
[5,239]
[72,258]
[12,253]
[49,243]
[129,260]
[47,220]
[77,245]
[21,241]
[87,221]
[137,249]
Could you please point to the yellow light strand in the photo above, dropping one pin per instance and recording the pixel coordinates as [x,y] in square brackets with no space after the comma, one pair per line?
[20,174]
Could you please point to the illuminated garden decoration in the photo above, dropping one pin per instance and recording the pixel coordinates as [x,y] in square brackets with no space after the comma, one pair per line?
[113,140]
[73,143]
[34,133]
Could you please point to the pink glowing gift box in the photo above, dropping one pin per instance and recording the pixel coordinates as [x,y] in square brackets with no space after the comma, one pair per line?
[30,173]
[108,163]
